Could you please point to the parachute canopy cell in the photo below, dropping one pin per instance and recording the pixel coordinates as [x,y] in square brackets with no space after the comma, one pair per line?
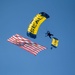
[26,44]
[55,42]
[35,24]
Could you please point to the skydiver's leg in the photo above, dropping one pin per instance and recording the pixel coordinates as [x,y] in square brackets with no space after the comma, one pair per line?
[50,37]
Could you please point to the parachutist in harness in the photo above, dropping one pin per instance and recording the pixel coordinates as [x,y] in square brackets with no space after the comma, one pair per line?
[48,34]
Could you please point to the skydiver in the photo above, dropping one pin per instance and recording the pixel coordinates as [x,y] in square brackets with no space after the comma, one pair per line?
[51,48]
[48,34]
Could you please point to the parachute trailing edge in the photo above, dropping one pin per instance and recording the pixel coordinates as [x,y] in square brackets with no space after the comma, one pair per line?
[35,24]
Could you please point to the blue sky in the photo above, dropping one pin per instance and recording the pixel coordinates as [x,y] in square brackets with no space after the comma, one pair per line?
[15,16]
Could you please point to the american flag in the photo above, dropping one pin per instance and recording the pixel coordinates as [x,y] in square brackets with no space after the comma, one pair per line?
[26,44]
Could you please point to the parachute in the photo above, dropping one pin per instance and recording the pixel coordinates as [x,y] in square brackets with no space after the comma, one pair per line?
[26,44]
[35,24]
[55,42]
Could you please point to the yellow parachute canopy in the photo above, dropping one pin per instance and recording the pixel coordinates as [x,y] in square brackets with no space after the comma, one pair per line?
[55,42]
[35,24]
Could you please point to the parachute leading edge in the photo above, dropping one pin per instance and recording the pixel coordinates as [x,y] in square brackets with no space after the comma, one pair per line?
[35,24]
